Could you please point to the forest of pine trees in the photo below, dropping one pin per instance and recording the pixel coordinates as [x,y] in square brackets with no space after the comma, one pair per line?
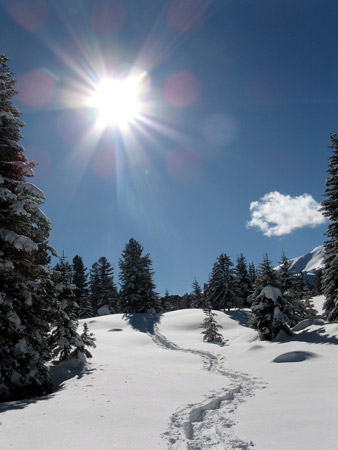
[40,306]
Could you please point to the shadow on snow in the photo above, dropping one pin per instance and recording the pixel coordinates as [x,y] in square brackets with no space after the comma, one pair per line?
[143,322]
[60,373]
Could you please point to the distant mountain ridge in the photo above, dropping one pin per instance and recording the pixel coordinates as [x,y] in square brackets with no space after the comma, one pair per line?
[309,263]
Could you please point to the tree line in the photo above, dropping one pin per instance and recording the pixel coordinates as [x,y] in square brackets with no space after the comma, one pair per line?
[229,285]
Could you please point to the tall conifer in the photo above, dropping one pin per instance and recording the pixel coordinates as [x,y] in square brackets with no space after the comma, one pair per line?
[137,293]
[330,210]
[26,292]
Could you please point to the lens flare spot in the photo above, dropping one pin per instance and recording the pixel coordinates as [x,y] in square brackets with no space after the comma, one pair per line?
[108,161]
[35,88]
[184,164]
[31,15]
[182,89]
[186,14]
[108,17]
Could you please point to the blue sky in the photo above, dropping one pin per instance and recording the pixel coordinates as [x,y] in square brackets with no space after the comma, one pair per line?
[238,102]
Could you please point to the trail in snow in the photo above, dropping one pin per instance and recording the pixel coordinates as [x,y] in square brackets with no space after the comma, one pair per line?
[209,424]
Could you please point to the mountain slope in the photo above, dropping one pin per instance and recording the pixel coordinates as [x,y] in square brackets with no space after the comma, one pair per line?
[310,262]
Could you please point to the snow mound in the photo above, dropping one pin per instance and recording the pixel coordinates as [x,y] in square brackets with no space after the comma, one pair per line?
[296,356]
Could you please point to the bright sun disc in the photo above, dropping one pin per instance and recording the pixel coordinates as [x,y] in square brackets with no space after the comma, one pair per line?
[117,101]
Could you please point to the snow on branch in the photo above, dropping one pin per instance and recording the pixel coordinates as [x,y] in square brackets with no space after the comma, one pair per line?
[18,241]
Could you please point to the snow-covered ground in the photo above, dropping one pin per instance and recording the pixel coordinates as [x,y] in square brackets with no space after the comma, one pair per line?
[154,384]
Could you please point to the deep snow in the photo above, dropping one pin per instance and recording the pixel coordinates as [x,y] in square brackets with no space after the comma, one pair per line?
[154,384]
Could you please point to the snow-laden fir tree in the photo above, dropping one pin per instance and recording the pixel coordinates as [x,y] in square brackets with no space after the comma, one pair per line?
[137,293]
[211,328]
[221,285]
[270,310]
[103,290]
[26,295]
[65,341]
[243,284]
[81,292]
[330,210]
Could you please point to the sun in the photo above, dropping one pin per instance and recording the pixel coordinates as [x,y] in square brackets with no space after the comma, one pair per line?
[117,100]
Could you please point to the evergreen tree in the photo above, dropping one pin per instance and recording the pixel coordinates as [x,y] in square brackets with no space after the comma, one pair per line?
[288,284]
[270,309]
[81,291]
[221,286]
[137,293]
[330,210]
[266,275]
[198,297]
[305,307]
[269,313]
[64,333]
[65,340]
[27,304]
[103,289]
[94,287]
[318,286]
[242,281]
[252,274]
[211,327]
[286,278]
[86,340]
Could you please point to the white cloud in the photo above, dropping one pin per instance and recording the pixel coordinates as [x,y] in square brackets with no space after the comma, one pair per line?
[276,214]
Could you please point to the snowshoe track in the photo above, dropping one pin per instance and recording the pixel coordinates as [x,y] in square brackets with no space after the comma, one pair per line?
[209,424]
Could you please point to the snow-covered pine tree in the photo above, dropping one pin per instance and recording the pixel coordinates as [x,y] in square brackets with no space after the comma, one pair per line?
[211,327]
[243,284]
[81,291]
[65,340]
[87,340]
[26,301]
[270,310]
[64,334]
[330,210]
[137,293]
[221,286]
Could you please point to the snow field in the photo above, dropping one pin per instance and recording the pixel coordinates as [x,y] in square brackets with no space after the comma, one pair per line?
[154,384]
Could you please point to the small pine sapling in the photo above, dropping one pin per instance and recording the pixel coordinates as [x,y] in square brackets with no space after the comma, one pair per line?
[211,327]
[87,340]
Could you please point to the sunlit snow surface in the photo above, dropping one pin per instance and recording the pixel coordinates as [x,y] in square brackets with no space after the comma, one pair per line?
[154,384]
